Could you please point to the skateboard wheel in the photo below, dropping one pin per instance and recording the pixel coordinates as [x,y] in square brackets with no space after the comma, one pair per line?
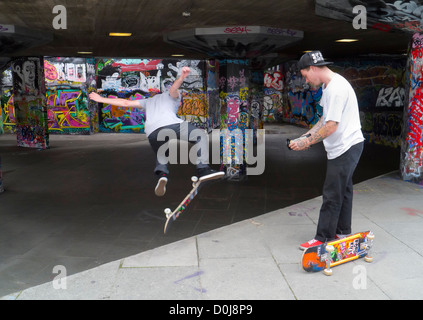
[370,236]
[327,272]
[167,212]
[368,259]
[194,179]
[330,248]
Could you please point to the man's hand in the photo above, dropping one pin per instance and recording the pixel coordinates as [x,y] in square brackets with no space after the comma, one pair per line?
[95,96]
[300,144]
[173,91]
[185,72]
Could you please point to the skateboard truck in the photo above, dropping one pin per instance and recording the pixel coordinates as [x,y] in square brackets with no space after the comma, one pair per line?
[329,250]
[370,238]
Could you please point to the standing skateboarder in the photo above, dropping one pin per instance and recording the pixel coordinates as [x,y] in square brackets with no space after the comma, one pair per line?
[340,130]
[161,112]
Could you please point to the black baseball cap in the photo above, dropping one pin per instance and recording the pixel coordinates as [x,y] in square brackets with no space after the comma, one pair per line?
[313,58]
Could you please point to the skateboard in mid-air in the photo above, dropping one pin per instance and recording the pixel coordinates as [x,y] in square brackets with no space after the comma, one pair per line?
[336,252]
[196,184]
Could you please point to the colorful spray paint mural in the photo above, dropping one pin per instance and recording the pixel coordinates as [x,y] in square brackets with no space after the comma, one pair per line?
[30,102]
[379,85]
[139,78]
[412,145]
[273,95]
[67,103]
[234,95]
[303,106]
[8,117]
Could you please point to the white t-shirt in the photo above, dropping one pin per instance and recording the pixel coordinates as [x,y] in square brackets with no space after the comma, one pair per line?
[340,104]
[160,111]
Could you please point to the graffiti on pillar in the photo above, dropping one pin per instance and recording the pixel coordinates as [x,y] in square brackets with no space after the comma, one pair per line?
[235,115]
[412,145]
[213,100]
[273,95]
[7,111]
[30,102]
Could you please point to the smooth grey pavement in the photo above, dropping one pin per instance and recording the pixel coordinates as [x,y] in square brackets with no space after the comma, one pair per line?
[237,241]
[259,258]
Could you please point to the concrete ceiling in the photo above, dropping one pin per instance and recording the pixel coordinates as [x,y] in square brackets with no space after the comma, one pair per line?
[89,22]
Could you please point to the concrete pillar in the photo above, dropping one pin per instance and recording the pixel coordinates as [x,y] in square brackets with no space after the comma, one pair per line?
[235,115]
[1,179]
[30,102]
[411,166]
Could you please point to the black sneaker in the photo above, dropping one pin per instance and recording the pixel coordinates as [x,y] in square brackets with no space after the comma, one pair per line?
[209,174]
[160,189]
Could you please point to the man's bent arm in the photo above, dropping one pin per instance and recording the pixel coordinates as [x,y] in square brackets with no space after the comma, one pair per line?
[174,89]
[315,136]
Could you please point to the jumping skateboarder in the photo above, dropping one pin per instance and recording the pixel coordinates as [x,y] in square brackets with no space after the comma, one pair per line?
[340,130]
[161,112]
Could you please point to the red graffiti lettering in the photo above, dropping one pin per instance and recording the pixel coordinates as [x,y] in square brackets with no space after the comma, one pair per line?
[417,53]
[237,30]
[382,27]
[274,81]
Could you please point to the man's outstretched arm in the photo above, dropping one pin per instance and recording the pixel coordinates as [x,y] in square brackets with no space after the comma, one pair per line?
[116,102]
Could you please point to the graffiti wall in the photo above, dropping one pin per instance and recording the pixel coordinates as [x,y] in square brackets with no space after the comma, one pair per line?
[30,102]
[137,79]
[7,111]
[302,100]
[411,165]
[273,95]
[379,86]
[67,82]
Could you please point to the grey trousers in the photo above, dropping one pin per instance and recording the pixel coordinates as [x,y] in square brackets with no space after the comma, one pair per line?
[185,131]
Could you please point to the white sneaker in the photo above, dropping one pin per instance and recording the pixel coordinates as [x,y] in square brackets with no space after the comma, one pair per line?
[160,189]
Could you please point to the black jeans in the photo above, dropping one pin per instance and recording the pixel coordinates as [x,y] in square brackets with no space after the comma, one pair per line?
[184,131]
[336,211]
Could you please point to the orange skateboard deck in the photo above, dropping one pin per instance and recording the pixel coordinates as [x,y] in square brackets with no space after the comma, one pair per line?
[337,252]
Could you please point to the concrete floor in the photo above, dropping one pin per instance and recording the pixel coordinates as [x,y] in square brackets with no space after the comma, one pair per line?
[89,200]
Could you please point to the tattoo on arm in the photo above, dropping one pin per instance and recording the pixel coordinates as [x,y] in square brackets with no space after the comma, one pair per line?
[323,131]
